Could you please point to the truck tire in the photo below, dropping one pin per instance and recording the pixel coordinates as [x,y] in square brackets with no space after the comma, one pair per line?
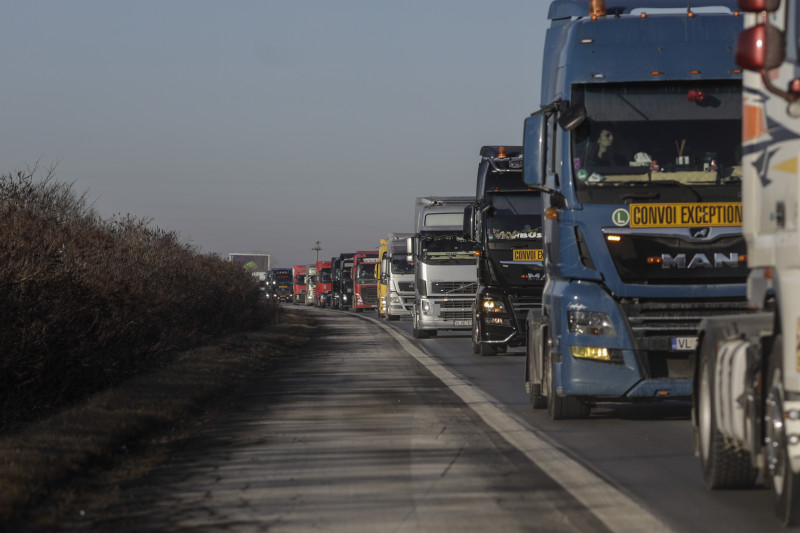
[538,399]
[562,407]
[723,467]
[418,333]
[487,350]
[784,484]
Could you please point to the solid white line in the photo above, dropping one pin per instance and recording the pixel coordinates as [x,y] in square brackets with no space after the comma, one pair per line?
[611,506]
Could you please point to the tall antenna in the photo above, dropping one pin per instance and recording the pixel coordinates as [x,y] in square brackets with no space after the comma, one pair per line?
[316,248]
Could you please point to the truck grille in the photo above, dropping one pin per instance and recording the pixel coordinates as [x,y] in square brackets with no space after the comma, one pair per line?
[655,323]
[405,286]
[369,294]
[457,315]
[521,306]
[453,287]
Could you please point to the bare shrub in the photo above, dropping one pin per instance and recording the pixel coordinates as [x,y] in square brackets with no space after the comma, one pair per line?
[86,302]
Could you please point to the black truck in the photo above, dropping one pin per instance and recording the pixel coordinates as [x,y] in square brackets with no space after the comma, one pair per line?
[506,224]
[342,292]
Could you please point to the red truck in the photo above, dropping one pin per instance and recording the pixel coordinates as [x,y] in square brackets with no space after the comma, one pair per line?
[365,282]
[324,284]
[299,278]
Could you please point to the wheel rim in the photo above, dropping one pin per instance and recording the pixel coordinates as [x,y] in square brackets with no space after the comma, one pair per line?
[704,413]
[776,460]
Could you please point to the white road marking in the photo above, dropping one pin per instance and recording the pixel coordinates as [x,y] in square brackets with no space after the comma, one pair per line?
[611,506]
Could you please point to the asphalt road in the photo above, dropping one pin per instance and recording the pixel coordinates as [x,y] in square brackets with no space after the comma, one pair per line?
[374,431]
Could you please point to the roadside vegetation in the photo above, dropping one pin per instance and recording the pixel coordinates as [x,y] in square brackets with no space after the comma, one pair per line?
[87,302]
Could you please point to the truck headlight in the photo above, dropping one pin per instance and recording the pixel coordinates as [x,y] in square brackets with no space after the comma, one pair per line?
[492,305]
[590,323]
[426,307]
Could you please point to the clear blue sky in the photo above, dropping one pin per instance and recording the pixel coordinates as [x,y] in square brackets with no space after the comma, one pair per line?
[265,126]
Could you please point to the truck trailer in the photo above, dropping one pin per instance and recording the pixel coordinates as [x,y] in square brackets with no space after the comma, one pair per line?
[746,409]
[445,277]
[636,149]
[506,224]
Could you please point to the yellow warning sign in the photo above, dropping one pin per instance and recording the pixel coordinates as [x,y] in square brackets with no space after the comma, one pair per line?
[528,255]
[686,215]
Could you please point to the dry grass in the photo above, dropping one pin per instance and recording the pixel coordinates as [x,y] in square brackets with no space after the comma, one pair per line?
[47,470]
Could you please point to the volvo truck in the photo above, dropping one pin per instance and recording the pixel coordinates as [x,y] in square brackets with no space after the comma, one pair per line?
[506,224]
[445,277]
[397,276]
[637,151]
[746,409]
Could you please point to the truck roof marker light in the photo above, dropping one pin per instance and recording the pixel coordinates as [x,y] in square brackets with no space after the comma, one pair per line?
[587,41]
[501,152]
[662,393]
[597,8]
[694,72]
[598,76]
[654,260]
[657,73]
[643,15]
[551,213]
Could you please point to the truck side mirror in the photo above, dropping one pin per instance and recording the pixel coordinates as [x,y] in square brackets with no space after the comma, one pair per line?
[761,47]
[532,140]
[756,6]
[469,222]
[572,117]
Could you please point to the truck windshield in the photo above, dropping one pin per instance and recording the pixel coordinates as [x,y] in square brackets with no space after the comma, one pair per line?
[401,266]
[366,272]
[514,216]
[677,142]
[447,249]
[325,275]
[300,279]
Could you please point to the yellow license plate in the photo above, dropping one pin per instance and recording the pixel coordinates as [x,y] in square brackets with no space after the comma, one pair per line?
[686,215]
[528,255]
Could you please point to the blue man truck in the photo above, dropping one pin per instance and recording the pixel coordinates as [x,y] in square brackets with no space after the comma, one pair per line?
[636,148]
[506,224]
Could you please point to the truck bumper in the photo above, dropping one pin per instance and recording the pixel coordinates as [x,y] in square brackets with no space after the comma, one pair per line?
[399,304]
[446,314]
[609,381]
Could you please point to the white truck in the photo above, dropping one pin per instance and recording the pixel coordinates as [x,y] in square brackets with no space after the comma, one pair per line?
[397,274]
[445,276]
[746,386]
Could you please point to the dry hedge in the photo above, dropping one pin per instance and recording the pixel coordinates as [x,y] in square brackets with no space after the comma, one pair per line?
[86,302]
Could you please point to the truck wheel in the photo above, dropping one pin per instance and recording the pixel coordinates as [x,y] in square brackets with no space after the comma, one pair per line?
[723,467]
[562,407]
[418,333]
[785,484]
[488,350]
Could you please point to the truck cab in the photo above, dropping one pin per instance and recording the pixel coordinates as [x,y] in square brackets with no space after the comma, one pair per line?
[397,277]
[365,283]
[324,284]
[445,276]
[311,284]
[506,224]
[636,151]
[342,280]
[299,285]
[281,284]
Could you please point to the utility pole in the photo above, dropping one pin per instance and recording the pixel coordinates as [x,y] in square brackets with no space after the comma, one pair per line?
[316,248]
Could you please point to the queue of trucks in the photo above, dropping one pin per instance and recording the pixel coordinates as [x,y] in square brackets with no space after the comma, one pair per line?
[642,243]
